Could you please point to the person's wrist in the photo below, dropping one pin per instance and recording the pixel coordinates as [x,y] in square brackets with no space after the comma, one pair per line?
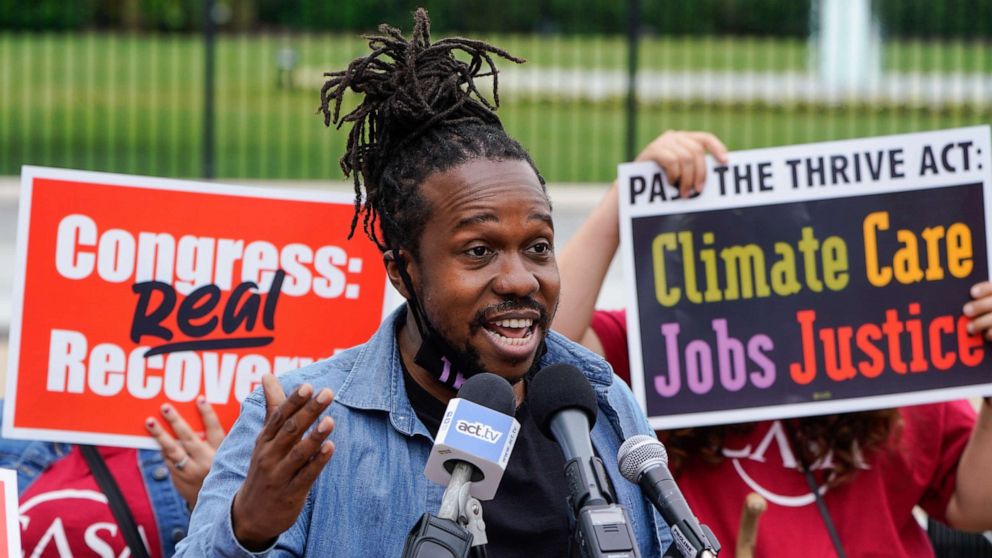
[246,536]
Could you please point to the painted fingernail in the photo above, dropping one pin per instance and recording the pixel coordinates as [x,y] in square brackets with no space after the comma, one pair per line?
[166,409]
[324,397]
[150,423]
[967,309]
[201,400]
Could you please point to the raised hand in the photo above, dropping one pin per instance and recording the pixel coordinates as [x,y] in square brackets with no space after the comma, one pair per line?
[187,455]
[584,261]
[980,309]
[286,462]
[682,155]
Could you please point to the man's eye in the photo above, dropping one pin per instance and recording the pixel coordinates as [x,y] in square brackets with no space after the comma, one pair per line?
[478,251]
[541,247]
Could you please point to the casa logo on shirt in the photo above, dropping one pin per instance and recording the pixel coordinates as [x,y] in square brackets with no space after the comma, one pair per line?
[478,430]
[72,522]
[757,464]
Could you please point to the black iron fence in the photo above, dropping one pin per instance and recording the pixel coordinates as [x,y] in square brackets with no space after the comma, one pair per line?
[228,88]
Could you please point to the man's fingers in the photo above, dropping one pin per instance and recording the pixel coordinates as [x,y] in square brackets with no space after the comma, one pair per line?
[299,422]
[211,424]
[274,395]
[305,449]
[171,449]
[306,476]
[275,418]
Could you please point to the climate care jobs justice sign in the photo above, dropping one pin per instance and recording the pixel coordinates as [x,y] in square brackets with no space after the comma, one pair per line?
[131,292]
[809,279]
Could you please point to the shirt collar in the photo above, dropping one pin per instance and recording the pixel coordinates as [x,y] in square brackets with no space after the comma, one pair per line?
[375,381]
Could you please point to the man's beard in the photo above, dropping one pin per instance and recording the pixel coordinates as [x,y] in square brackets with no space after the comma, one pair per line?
[469,357]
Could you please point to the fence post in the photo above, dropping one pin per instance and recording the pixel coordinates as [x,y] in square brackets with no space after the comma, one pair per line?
[633,40]
[209,38]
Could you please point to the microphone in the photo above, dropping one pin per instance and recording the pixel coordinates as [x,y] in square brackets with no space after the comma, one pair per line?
[564,407]
[644,461]
[470,454]
[476,436]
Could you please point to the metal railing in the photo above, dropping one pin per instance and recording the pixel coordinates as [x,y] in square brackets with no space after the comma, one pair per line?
[241,104]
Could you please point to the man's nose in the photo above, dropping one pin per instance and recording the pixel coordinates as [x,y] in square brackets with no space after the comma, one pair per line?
[515,278]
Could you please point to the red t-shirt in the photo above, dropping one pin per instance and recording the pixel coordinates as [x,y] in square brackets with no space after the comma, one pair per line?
[872,513]
[64,513]
[611,328]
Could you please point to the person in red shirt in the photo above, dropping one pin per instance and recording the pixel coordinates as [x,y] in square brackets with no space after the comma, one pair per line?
[64,511]
[871,468]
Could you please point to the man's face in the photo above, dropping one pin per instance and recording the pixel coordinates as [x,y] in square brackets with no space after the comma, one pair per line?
[486,275]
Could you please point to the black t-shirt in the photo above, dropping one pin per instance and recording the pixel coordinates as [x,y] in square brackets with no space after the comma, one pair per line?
[529,515]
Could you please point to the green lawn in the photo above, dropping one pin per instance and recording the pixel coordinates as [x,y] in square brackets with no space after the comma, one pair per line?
[133,103]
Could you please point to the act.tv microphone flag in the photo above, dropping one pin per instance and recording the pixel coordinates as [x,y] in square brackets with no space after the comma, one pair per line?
[475,434]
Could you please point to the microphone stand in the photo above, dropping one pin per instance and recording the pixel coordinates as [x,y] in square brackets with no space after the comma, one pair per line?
[458,530]
[458,505]
[690,543]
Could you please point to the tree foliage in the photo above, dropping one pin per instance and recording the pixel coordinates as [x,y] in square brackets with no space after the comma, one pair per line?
[944,19]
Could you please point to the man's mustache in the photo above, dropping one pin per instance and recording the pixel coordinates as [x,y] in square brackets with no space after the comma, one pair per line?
[509,305]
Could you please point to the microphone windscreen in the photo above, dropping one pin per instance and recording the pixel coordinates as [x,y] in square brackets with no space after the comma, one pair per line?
[638,454]
[491,391]
[558,387]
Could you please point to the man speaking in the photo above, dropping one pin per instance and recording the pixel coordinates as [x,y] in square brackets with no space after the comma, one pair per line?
[462,217]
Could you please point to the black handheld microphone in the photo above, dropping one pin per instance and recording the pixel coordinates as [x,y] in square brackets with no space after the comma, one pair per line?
[563,405]
[644,461]
[470,453]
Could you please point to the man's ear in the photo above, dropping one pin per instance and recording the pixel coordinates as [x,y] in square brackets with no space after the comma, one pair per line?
[393,259]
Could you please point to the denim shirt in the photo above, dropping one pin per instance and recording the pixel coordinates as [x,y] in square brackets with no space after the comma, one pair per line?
[373,489]
[31,458]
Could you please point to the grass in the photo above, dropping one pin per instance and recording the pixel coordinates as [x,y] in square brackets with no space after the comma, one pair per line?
[133,103]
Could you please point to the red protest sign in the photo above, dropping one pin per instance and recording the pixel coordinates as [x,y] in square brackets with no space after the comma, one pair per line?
[131,292]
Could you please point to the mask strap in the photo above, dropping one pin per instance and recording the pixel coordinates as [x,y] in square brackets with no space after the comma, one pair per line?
[432,355]
[414,300]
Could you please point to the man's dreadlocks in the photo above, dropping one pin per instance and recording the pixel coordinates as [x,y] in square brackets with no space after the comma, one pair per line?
[422,112]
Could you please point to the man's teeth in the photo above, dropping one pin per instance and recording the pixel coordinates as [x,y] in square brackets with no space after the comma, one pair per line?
[510,340]
[514,323]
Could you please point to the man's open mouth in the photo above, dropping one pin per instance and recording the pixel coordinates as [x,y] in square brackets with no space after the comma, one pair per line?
[511,331]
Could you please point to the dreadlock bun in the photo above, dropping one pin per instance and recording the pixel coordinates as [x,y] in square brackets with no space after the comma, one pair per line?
[412,89]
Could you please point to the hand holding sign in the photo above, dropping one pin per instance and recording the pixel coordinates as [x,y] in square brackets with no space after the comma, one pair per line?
[126,294]
[682,155]
[825,275]
[284,465]
[980,309]
[188,456]
[586,258]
